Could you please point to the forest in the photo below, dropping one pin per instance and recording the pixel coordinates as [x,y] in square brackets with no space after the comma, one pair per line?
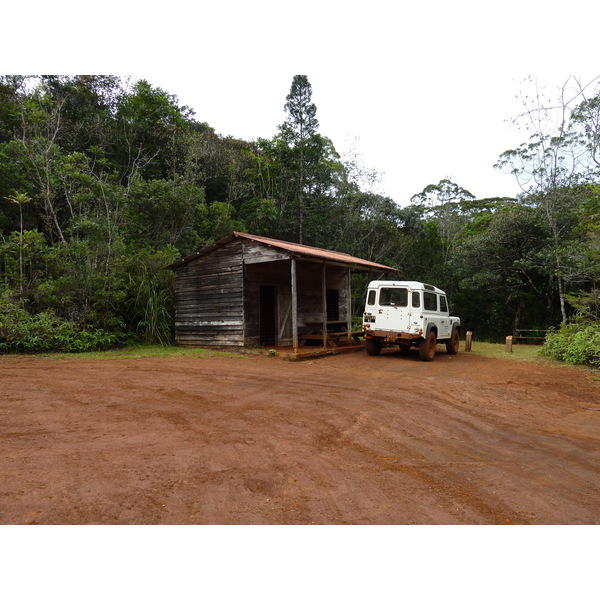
[104,182]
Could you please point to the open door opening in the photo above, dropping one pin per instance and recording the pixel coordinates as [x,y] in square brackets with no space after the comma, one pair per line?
[268,315]
[333,305]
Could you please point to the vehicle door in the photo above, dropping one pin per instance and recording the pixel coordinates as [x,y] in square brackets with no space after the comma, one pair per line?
[393,311]
[444,327]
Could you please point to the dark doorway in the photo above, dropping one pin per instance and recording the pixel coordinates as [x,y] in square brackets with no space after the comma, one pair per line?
[268,315]
[333,305]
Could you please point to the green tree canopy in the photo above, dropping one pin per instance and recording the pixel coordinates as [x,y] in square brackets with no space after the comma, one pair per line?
[120,180]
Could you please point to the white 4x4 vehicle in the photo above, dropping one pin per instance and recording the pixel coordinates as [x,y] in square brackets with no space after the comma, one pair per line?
[409,313]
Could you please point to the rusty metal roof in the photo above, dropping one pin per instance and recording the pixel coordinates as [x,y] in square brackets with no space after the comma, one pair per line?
[298,250]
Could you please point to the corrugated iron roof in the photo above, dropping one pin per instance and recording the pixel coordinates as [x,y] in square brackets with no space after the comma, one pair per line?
[299,250]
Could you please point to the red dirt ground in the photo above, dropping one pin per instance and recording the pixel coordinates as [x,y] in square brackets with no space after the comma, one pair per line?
[352,439]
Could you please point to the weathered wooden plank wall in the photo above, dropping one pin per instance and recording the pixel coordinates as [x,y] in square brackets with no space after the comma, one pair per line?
[310,291]
[209,307]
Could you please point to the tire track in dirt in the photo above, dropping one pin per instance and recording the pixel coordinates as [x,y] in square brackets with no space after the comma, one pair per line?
[429,476]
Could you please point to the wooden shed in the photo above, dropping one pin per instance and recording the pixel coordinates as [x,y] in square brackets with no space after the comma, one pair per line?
[248,290]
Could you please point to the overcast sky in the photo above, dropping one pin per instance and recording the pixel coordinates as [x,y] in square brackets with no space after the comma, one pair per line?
[421,90]
[403,126]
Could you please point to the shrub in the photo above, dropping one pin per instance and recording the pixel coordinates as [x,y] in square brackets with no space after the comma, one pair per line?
[45,332]
[576,343]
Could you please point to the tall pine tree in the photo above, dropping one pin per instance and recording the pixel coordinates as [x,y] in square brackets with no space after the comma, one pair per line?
[301,122]
[299,129]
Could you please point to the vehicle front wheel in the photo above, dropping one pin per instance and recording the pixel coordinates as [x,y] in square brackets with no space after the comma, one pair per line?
[373,347]
[427,347]
[453,343]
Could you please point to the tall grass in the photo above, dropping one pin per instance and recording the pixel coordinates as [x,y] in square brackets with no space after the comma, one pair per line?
[152,293]
[520,352]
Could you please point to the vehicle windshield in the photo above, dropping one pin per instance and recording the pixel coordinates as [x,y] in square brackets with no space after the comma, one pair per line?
[393,297]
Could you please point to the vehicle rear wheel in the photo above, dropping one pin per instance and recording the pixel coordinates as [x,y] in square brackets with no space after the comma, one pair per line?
[453,343]
[427,347]
[373,347]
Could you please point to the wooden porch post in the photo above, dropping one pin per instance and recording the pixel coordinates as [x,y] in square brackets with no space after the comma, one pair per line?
[294,306]
[349,305]
[324,302]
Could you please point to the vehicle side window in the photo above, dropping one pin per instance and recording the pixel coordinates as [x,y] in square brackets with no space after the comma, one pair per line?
[393,297]
[416,299]
[430,301]
[443,304]
[371,297]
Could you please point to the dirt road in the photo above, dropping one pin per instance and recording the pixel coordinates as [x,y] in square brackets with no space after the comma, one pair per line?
[349,439]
